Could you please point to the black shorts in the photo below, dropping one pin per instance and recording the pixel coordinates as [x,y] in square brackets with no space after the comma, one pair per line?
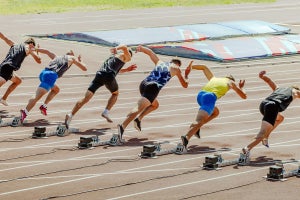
[149,90]
[102,78]
[6,71]
[270,110]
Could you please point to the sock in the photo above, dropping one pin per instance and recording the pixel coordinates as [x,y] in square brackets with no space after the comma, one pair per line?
[44,105]
[26,111]
[105,111]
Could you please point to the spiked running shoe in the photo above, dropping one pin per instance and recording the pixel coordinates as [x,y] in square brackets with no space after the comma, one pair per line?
[197,134]
[137,124]
[23,115]
[120,131]
[265,142]
[68,119]
[43,110]
[184,141]
[4,102]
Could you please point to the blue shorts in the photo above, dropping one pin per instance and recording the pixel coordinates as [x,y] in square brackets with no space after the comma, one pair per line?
[48,79]
[207,101]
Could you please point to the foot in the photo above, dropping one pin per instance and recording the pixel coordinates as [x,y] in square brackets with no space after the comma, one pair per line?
[265,142]
[137,124]
[105,115]
[68,119]
[246,152]
[23,115]
[197,134]
[43,110]
[120,131]
[184,141]
[4,102]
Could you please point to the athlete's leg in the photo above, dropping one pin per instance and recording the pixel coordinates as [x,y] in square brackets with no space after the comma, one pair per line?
[266,127]
[15,82]
[279,120]
[38,95]
[201,119]
[148,109]
[88,95]
[53,92]
[112,100]
[142,104]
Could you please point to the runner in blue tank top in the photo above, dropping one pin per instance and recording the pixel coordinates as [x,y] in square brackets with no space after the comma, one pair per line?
[55,69]
[271,109]
[151,86]
[106,75]
[13,61]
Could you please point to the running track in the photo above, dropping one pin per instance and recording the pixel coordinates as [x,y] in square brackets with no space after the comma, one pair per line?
[117,172]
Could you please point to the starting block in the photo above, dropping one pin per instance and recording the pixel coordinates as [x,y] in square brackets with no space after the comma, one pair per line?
[216,161]
[278,173]
[14,122]
[94,141]
[60,130]
[151,151]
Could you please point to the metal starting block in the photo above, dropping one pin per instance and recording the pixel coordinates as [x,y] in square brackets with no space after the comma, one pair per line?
[94,141]
[14,122]
[278,173]
[216,161]
[60,130]
[151,151]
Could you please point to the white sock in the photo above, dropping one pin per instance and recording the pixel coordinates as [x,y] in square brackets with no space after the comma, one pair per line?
[44,105]
[106,111]
[26,111]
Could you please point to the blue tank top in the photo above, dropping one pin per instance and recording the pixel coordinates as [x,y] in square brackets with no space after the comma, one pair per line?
[59,65]
[160,74]
[112,65]
[15,56]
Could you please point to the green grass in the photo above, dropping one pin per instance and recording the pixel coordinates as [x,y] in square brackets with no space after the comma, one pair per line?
[53,6]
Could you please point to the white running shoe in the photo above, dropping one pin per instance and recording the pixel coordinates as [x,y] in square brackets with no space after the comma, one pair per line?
[4,102]
[105,115]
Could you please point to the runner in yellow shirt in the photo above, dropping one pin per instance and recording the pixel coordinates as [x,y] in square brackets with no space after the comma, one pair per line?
[207,97]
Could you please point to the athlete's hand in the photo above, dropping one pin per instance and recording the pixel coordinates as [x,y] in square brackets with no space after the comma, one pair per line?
[132,67]
[188,70]
[113,50]
[262,73]
[241,83]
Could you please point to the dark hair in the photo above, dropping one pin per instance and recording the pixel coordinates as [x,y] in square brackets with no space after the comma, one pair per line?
[29,41]
[296,87]
[176,61]
[230,77]
[130,51]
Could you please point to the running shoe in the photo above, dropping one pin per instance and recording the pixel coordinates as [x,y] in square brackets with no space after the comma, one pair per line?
[265,142]
[184,141]
[197,134]
[23,115]
[4,102]
[120,131]
[68,119]
[137,124]
[43,110]
[105,115]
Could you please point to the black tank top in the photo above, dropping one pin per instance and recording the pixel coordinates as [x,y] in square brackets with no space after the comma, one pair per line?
[112,65]
[59,65]
[15,56]
[283,96]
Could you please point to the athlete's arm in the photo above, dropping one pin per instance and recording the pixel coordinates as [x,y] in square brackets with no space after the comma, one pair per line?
[30,49]
[126,56]
[77,62]
[271,83]
[239,90]
[205,70]
[5,39]
[129,69]
[47,52]
[149,52]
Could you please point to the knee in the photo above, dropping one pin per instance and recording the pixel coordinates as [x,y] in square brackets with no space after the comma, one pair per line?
[55,89]
[17,81]
[115,94]
[155,104]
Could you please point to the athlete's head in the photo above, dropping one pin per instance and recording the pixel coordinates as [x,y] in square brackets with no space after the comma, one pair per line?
[70,53]
[30,41]
[230,77]
[176,62]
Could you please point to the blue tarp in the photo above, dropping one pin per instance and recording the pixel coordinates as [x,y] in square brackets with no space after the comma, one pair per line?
[233,49]
[184,33]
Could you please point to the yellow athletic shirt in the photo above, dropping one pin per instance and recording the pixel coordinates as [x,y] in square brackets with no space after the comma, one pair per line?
[218,86]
